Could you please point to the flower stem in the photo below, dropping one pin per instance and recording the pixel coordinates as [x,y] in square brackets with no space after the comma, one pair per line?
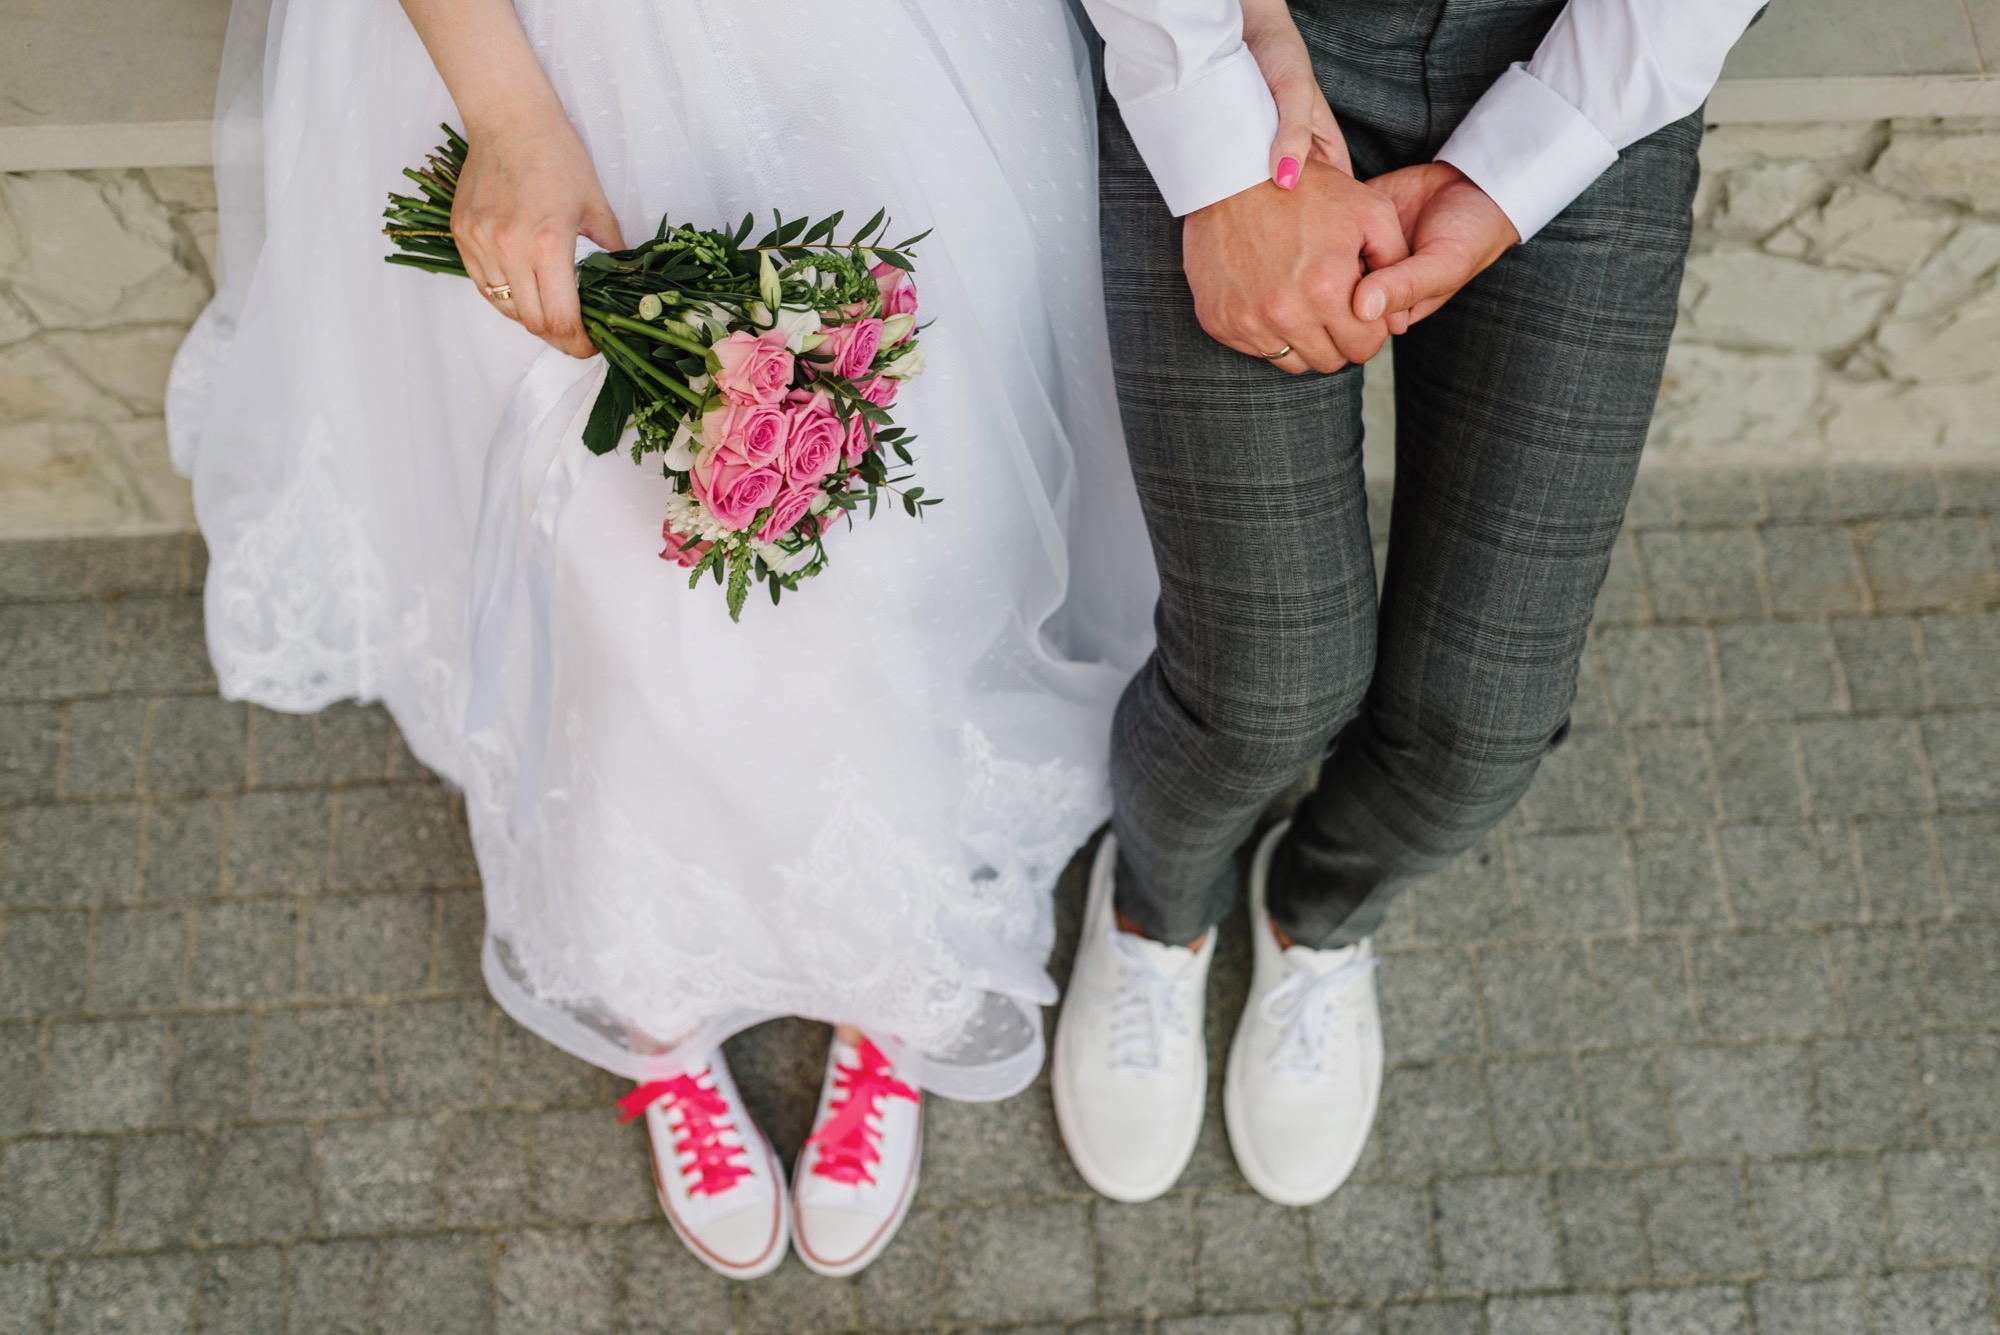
[609,342]
[428,264]
[640,327]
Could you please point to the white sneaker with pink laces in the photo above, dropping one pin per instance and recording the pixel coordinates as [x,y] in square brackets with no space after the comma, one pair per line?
[857,1171]
[717,1178]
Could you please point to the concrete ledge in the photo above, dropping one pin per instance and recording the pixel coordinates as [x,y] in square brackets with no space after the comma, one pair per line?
[1774,101]
[187,143]
[27,148]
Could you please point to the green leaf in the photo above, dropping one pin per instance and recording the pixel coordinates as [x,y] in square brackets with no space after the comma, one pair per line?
[739,585]
[823,229]
[881,216]
[896,261]
[609,414]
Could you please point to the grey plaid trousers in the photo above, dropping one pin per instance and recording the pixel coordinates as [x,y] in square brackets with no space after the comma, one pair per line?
[1521,408]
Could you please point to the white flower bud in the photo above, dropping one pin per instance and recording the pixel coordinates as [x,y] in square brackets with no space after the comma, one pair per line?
[768,286]
[650,307]
[897,328]
[906,367]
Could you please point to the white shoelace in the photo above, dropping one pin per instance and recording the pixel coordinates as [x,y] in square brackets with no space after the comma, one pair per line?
[1303,1007]
[1149,1016]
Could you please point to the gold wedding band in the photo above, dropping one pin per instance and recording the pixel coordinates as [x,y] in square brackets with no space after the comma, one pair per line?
[505,292]
[1277,356]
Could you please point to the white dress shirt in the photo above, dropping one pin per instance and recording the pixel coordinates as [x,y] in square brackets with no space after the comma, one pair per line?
[1609,73]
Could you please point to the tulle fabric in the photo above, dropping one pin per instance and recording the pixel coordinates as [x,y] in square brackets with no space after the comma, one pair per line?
[851,807]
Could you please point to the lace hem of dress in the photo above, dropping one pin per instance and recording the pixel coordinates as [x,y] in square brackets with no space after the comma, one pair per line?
[978,1024]
[294,606]
[295,599]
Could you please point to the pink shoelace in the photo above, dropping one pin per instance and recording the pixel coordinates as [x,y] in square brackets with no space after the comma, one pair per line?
[849,1145]
[704,1117]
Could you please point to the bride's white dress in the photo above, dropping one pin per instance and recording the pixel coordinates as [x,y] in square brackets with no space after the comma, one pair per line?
[851,807]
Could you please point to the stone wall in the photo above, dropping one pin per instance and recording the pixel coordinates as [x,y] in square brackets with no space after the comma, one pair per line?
[1841,305]
[100,275]
[1841,301]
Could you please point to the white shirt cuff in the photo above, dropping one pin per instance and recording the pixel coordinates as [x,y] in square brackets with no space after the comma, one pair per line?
[1209,139]
[1528,148]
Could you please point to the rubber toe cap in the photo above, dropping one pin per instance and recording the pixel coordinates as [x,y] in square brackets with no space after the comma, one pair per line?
[835,1237]
[744,1239]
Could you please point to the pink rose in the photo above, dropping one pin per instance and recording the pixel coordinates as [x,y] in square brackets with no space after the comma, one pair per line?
[815,440]
[899,294]
[733,491]
[787,511]
[680,549]
[852,346]
[752,433]
[880,390]
[754,370]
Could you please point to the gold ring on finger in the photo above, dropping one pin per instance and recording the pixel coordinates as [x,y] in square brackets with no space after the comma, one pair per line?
[505,292]
[1277,356]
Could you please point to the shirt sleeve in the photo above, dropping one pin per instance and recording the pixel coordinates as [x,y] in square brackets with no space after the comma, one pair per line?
[1190,93]
[1609,73]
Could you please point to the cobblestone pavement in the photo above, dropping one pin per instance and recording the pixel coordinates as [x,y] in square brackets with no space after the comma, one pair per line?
[1706,1039]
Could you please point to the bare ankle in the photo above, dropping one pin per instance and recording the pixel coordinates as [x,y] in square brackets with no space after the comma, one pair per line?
[1128,926]
[1284,937]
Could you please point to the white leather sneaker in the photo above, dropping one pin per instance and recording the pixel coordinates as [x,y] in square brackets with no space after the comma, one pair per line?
[1305,1069]
[715,1173]
[1131,1062]
[857,1171]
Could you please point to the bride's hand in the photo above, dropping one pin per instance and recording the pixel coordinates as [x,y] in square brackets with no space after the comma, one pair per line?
[527,191]
[1307,130]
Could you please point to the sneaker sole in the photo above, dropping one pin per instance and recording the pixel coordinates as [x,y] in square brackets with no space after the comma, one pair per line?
[1066,1117]
[1265,1185]
[883,1237]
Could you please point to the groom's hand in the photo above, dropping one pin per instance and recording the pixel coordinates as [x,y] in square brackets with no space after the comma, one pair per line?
[1272,269]
[1454,231]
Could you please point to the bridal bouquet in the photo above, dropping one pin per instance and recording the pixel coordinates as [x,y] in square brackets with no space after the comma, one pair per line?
[761,374]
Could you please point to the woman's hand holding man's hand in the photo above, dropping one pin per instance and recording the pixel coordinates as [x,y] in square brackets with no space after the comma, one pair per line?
[1333,270]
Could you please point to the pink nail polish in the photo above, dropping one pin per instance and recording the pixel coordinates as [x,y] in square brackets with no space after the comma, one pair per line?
[1288,173]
